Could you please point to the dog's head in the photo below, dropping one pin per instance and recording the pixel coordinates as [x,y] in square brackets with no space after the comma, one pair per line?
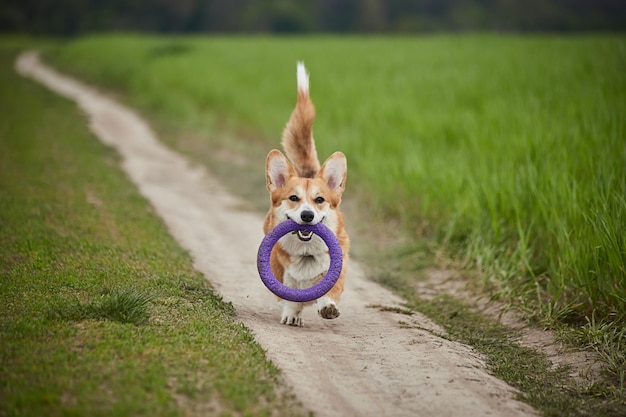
[306,200]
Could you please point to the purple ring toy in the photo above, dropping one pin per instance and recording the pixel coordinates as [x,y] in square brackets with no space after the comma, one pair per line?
[302,294]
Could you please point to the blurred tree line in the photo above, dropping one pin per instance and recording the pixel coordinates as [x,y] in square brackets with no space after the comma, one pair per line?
[69,17]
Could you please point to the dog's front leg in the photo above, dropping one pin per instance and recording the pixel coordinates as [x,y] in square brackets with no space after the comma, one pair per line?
[291,313]
[327,305]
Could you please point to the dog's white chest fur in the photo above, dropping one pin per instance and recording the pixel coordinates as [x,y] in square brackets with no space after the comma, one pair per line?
[306,271]
[309,261]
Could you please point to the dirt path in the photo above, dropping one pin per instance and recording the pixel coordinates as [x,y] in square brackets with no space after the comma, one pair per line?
[365,363]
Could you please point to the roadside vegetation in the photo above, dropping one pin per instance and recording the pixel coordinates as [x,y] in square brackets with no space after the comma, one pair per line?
[500,155]
[101,312]
[506,152]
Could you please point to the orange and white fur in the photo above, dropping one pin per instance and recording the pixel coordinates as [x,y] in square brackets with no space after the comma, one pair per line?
[307,193]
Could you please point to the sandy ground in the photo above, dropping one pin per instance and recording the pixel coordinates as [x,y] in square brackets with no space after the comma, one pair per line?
[367,362]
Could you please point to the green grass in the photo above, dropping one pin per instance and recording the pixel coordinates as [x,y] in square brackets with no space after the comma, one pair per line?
[101,312]
[506,152]
[502,154]
[122,305]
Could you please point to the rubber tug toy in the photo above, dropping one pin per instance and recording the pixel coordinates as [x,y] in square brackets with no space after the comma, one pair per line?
[299,294]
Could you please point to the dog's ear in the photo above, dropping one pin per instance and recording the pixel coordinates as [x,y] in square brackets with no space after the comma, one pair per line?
[278,170]
[334,172]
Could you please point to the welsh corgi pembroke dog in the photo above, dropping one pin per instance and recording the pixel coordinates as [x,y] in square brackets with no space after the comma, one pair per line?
[307,193]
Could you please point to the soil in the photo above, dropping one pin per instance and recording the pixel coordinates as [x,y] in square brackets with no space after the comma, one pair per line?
[583,366]
[367,362]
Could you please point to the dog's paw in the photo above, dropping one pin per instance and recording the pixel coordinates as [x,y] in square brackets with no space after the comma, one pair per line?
[291,314]
[291,320]
[329,311]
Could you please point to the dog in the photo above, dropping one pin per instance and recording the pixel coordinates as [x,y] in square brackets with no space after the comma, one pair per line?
[307,193]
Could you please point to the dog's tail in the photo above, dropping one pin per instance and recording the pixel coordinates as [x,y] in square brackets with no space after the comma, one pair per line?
[298,133]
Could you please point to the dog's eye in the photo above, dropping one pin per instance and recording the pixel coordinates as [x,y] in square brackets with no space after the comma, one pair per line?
[294,198]
[319,200]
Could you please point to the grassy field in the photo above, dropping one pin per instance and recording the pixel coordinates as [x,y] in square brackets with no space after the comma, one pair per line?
[506,153]
[101,312]
[480,146]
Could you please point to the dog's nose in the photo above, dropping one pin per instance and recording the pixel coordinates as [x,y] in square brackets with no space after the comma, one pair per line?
[307,216]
